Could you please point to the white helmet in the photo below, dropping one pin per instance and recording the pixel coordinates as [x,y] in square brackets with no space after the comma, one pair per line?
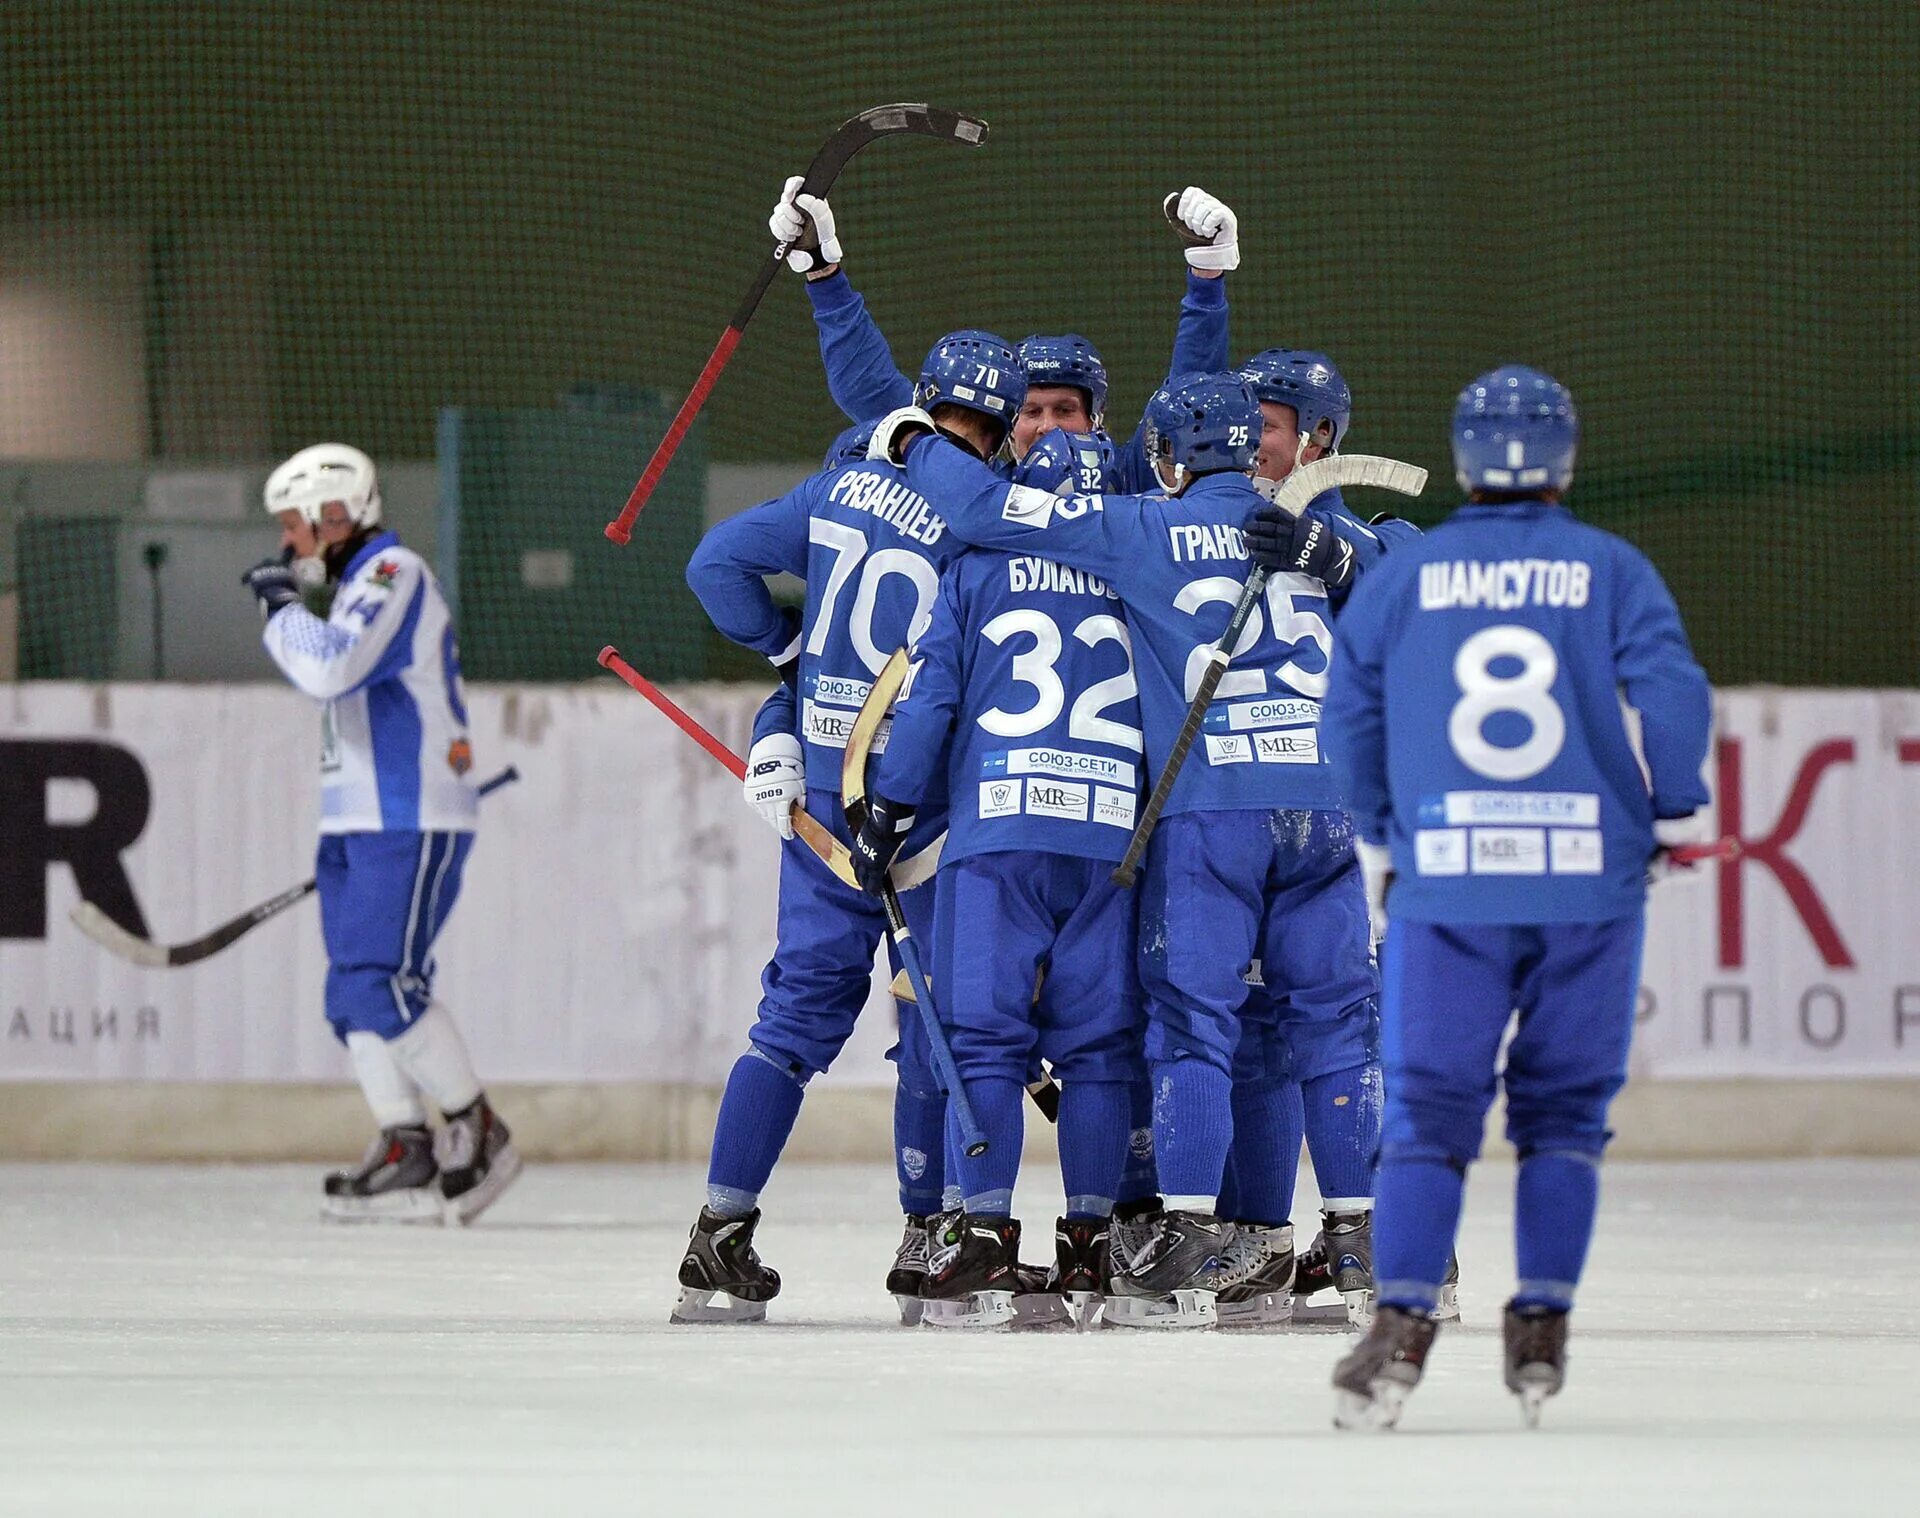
[326,472]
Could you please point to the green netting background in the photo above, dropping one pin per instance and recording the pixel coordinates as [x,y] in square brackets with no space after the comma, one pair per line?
[1705,218]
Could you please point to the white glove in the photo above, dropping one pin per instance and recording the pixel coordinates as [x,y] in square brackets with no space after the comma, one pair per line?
[1681,845]
[776,778]
[1206,216]
[892,427]
[1376,869]
[789,225]
[309,574]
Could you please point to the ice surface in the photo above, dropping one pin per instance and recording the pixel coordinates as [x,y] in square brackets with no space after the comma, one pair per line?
[193,1341]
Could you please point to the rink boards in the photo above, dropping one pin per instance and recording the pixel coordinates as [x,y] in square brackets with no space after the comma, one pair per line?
[620,901]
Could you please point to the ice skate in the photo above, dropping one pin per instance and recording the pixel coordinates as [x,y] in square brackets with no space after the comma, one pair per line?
[971,1272]
[477,1161]
[909,1271]
[1069,1293]
[720,1262]
[1376,1377]
[1313,1275]
[396,1182]
[1174,1280]
[1256,1279]
[1132,1230]
[1536,1339]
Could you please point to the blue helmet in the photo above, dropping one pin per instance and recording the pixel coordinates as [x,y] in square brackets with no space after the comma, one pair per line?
[1306,381]
[974,369]
[1203,424]
[1514,428]
[1067,360]
[851,446]
[1068,463]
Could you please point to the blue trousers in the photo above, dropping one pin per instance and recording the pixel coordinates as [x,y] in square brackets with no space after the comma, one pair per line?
[1450,991]
[1006,922]
[383,899]
[822,967]
[1223,888]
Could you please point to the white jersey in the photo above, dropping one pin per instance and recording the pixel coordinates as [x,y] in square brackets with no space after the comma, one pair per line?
[394,753]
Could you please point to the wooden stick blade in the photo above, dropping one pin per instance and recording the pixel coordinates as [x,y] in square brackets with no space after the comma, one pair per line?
[1298,490]
[115,939]
[873,711]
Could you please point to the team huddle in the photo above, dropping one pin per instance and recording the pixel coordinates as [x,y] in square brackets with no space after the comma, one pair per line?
[1423,726]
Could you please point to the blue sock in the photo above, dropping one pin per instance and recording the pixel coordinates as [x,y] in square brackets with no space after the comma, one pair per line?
[919,1144]
[1555,1198]
[1141,1177]
[1261,1170]
[1342,1115]
[986,1181]
[1414,1219]
[756,1114]
[1192,1129]
[1094,1120]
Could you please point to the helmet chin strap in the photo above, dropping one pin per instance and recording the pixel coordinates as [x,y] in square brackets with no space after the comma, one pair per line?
[1180,479]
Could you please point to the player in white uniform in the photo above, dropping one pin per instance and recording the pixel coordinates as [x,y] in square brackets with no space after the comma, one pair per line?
[396,824]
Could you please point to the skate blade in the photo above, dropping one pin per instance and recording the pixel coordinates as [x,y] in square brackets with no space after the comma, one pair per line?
[1087,1309]
[982,1310]
[1371,1414]
[1327,1318]
[1042,1311]
[697,1306]
[1269,1312]
[1359,1308]
[502,1173]
[1532,1399]
[418,1205]
[1447,1308]
[1188,1308]
[911,1309]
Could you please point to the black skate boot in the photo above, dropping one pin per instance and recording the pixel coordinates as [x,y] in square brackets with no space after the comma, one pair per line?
[1134,1225]
[1536,1356]
[1174,1279]
[1067,1293]
[909,1271]
[394,1183]
[1375,1378]
[477,1161]
[971,1271]
[1313,1275]
[720,1262]
[1256,1279]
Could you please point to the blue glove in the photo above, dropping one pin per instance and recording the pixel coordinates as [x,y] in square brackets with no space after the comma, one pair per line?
[1303,545]
[272,581]
[883,830]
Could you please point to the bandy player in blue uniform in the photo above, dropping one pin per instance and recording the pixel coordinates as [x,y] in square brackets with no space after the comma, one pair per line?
[1066,378]
[1021,709]
[1221,863]
[396,823]
[871,550]
[1475,719]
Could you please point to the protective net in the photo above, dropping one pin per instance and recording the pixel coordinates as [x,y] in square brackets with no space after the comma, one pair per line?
[492,243]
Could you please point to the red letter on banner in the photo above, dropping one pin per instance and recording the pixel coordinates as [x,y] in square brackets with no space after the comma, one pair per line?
[1771,852]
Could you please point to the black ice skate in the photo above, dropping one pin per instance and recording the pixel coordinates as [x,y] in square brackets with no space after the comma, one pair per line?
[1174,1280]
[1068,1293]
[1536,1356]
[720,1262]
[1373,1382]
[971,1269]
[1256,1279]
[395,1183]
[1134,1225]
[1313,1274]
[477,1161]
[909,1273]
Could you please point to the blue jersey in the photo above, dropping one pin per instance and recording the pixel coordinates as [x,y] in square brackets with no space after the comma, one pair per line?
[1475,717]
[871,549]
[1179,564]
[1022,697]
[865,382]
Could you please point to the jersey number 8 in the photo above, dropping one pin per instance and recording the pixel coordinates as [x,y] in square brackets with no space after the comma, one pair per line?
[1483,693]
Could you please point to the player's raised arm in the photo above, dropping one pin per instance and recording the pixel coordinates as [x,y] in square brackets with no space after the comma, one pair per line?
[380,596]
[862,377]
[1663,682]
